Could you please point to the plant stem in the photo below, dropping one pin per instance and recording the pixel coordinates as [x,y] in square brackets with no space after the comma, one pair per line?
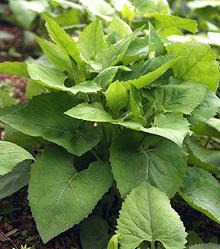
[153,245]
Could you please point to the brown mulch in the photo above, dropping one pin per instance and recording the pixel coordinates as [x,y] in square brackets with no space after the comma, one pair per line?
[16,219]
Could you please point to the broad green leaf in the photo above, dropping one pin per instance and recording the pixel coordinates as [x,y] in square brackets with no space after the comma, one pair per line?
[92,40]
[151,7]
[114,53]
[55,79]
[136,51]
[26,11]
[48,77]
[171,25]
[6,99]
[202,4]
[163,167]
[94,233]
[113,242]
[179,98]
[147,215]
[156,44]
[201,191]
[63,40]
[10,155]
[171,126]
[214,123]
[44,117]
[15,179]
[69,18]
[193,238]
[117,97]
[94,112]
[205,246]
[118,26]
[61,197]
[149,78]
[197,62]
[206,110]
[56,56]
[203,157]
[14,68]
[99,8]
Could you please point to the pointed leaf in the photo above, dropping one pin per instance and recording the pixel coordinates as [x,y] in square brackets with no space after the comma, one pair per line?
[63,40]
[94,112]
[14,68]
[54,79]
[147,215]
[44,116]
[15,179]
[203,157]
[10,155]
[61,197]
[201,191]
[92,40]
[149,78]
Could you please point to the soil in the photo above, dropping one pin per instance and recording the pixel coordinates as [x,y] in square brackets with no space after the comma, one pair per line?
[17,226]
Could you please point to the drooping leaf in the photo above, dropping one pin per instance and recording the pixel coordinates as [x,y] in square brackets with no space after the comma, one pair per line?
[92,40]
[94,233]
[61,197]
[147,215]
[14,68]
[202,4]
[94,112]
[171,25]
[163,167]
[201,191]
[99,8]
[55,79]
[118,26]
[44,116]
[151,7]
[178,98]
[203,157]
[197,63]
[26,11]
[206,110]
[10,155]
[171,126]
[15,179]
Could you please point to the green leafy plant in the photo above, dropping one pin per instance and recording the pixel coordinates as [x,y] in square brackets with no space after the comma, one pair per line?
[118,123]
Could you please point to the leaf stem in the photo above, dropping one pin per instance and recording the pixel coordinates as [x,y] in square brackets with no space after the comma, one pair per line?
[153,245]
